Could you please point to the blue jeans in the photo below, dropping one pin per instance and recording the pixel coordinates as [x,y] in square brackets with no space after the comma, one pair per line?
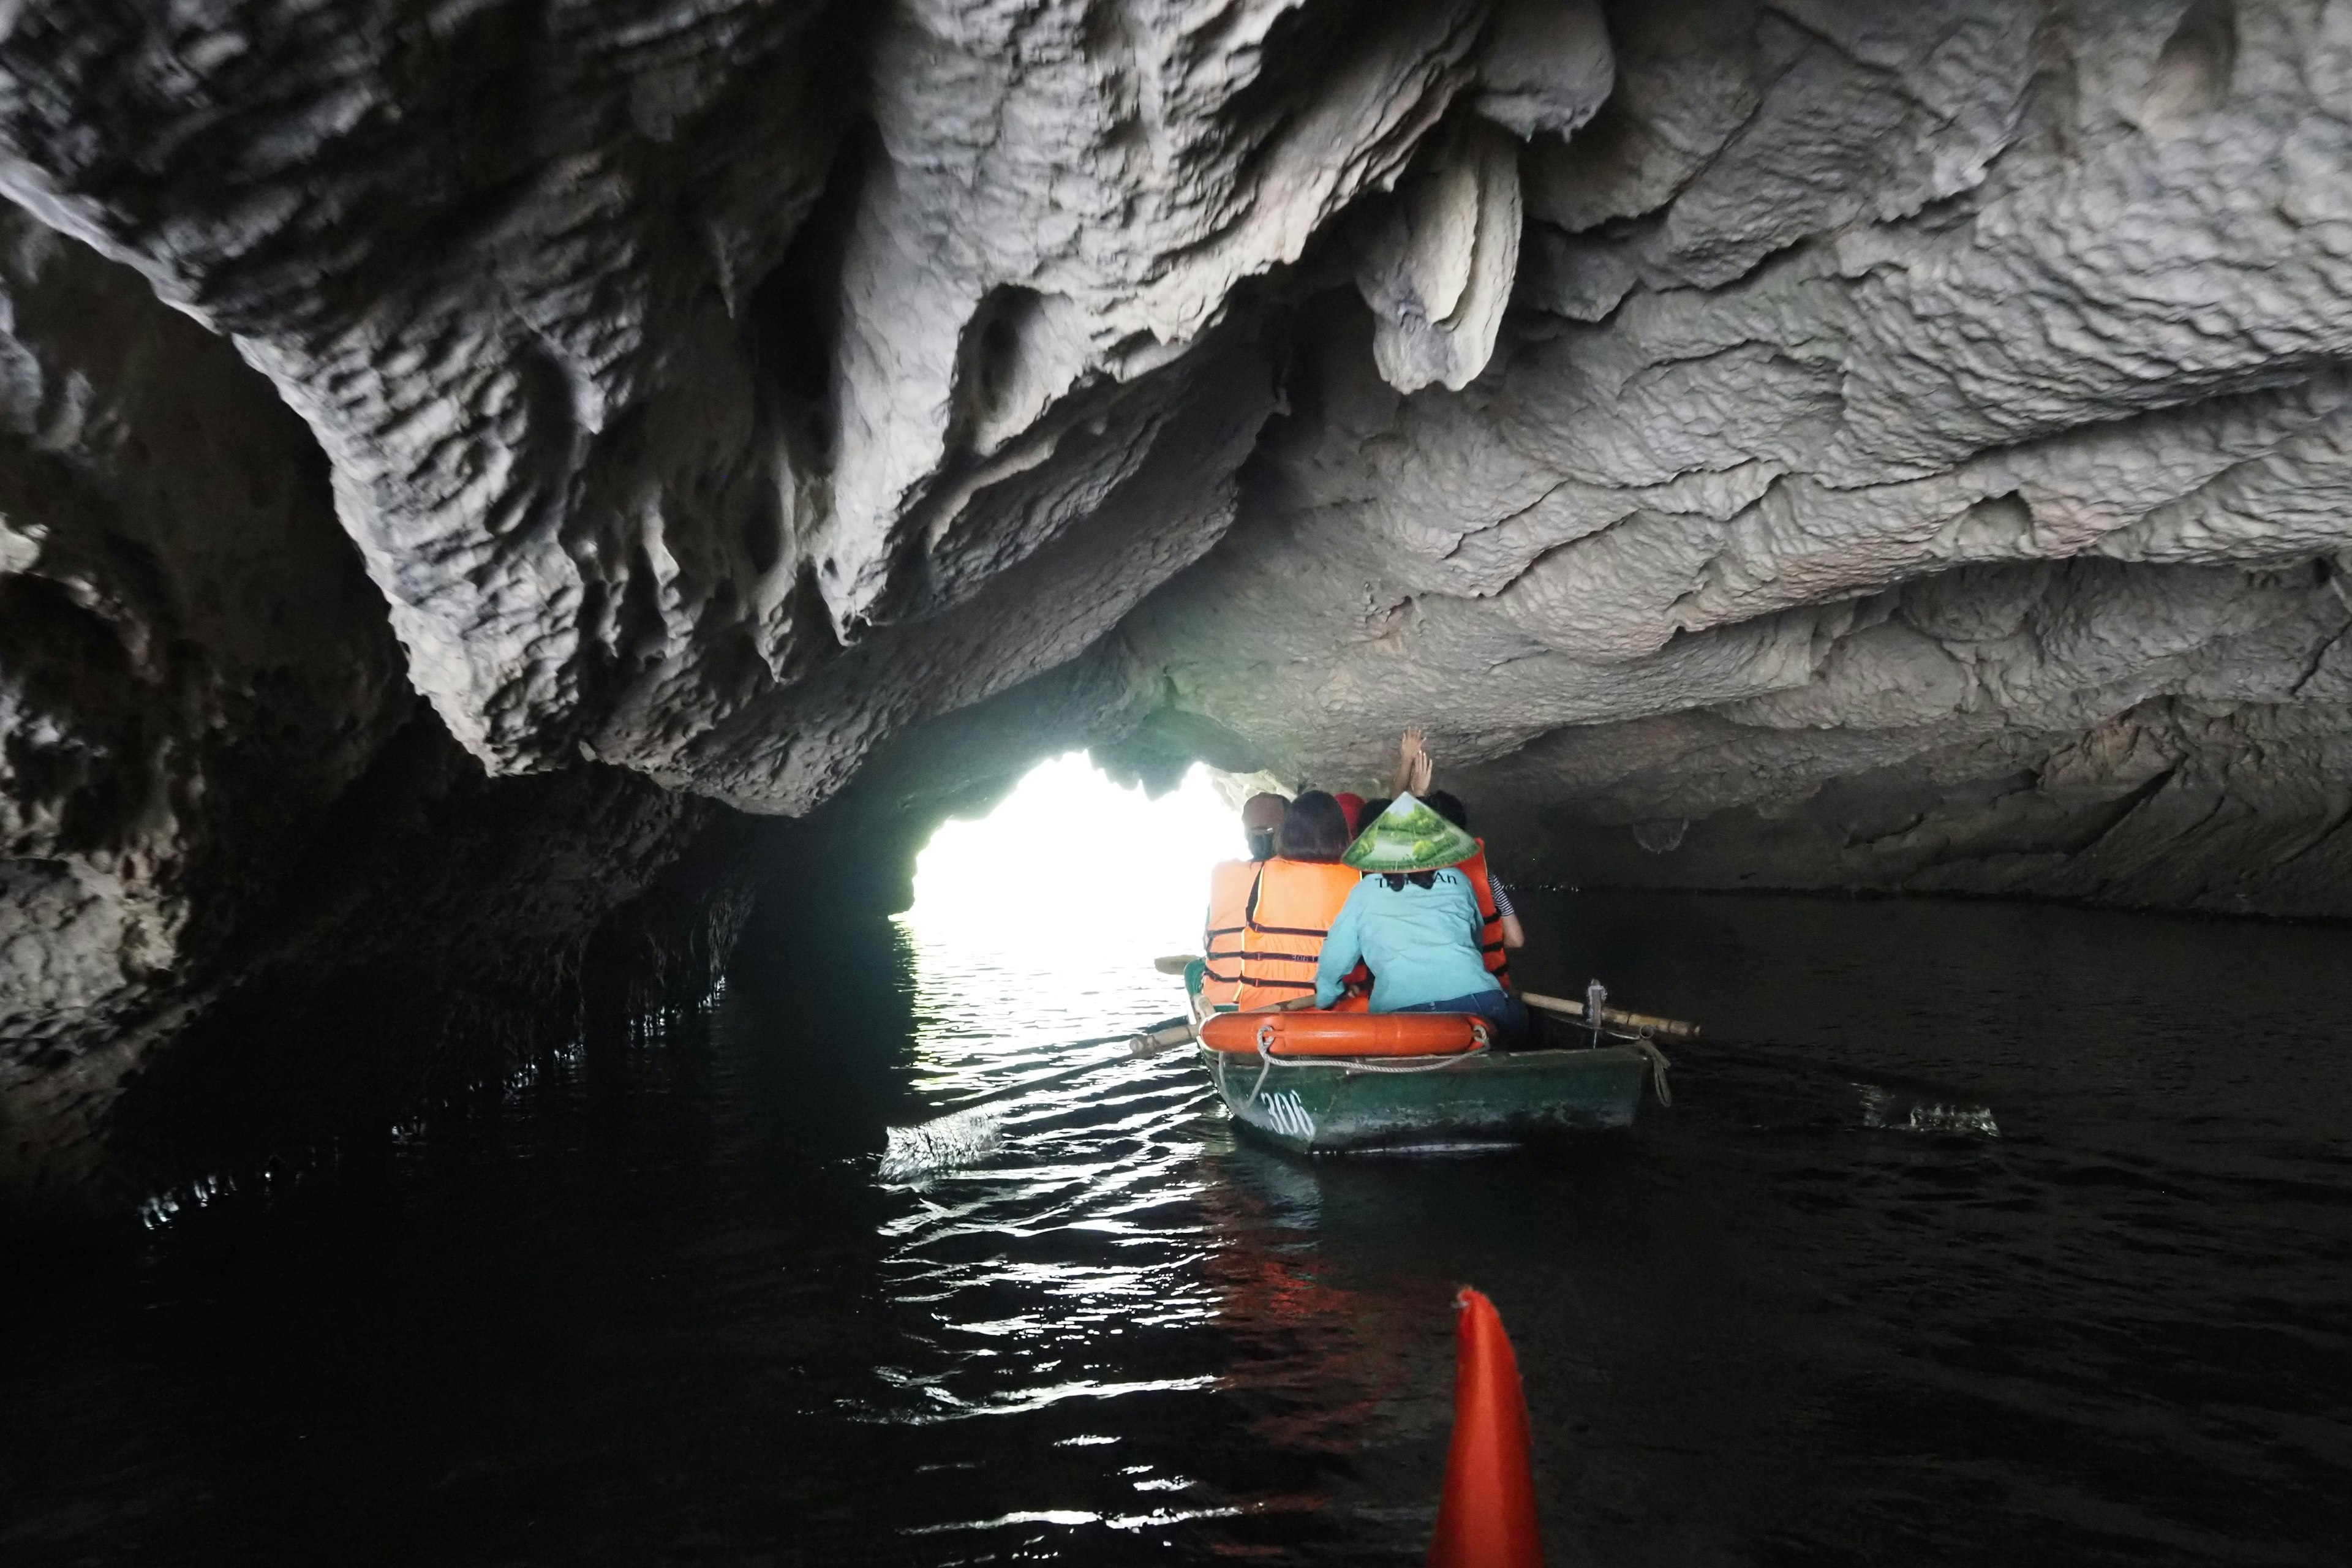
[1505,1012]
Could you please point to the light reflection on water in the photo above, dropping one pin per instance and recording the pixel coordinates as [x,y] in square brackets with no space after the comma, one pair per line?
[1099,1268]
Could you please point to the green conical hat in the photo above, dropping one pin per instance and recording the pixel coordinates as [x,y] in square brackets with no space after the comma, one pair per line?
[1409,837]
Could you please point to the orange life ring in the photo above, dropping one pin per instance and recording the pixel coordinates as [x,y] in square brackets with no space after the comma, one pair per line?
[1312,1033]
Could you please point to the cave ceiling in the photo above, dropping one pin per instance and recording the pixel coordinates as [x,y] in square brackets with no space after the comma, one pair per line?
[1833,443]
[716,390]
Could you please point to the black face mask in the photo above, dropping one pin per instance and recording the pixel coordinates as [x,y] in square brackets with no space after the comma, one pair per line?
[1260,843]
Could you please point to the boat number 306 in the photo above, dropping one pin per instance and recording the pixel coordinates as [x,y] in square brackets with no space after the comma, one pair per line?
[1285,1114]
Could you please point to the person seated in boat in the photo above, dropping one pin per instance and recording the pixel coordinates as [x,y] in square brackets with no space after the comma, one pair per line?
[1412,775]
[1415,920]
[1293,901]
[1215,977]
[1262,816]
[1502,930]
[1351,806]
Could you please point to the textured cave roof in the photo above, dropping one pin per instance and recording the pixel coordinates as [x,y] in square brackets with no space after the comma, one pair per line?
[717,389]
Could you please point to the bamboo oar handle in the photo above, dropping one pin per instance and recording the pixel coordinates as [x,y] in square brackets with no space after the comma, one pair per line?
[1180,1031]
[1149,1042]
[1640,1023]
[1166,1038]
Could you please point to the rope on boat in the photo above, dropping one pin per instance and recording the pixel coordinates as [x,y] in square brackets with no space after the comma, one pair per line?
[1641,1042]
[1479,1042]
[1269,1061]
[1658,1065]
[1481,1046]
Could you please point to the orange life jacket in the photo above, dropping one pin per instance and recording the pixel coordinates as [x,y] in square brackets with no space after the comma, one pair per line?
[1290,910]
[1221,948]
[1490,934]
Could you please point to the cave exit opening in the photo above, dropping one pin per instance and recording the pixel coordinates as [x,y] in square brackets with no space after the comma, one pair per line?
[1073,870]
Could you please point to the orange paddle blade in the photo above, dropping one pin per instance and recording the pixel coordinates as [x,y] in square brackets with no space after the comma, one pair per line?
[1488,1517]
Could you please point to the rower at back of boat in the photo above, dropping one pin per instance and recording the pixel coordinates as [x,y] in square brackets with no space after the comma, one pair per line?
[1293,902]
[1498,923]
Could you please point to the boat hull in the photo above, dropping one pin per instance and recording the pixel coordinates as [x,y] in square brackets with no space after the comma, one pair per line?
[1308,1106]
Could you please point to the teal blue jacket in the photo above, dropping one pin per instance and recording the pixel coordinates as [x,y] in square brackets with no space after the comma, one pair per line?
[1421,942]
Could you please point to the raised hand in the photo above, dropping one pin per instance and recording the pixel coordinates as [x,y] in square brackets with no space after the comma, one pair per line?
[1412,752]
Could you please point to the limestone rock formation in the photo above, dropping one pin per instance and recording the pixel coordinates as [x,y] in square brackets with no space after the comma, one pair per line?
[1923,426]
[1438,273]
[191,667]
[1807,443]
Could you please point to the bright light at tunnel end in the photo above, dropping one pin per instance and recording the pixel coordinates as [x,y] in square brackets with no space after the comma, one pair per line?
[1072,860]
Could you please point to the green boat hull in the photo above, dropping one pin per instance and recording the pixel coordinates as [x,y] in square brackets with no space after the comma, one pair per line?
[1333,1105]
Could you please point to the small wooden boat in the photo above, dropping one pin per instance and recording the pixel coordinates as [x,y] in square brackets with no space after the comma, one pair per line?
[1312,1081]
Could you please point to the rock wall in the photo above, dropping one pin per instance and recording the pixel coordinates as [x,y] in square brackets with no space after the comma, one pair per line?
[230,828]
[1915,457]
[467,468]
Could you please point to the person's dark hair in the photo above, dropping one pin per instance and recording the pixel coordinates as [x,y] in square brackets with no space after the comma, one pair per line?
[1315,828]
[1374,807]
[1448,804]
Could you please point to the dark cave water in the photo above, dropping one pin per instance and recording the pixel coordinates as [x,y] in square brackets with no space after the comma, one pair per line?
[1977,1234]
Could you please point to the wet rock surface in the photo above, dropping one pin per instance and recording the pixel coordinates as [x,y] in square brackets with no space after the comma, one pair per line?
[470,469]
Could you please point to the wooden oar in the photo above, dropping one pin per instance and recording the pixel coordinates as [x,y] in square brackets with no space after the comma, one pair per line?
[1641,1022]
[1176,963]
[966,1131]
[1141,1045]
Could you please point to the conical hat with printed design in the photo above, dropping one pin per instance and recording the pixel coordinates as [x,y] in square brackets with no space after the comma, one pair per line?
[1409,837]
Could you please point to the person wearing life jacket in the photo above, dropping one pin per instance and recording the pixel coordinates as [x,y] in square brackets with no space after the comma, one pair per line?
[1216,977]
[1293,902]
[1351,806]
[1415,919]
[1500,923]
